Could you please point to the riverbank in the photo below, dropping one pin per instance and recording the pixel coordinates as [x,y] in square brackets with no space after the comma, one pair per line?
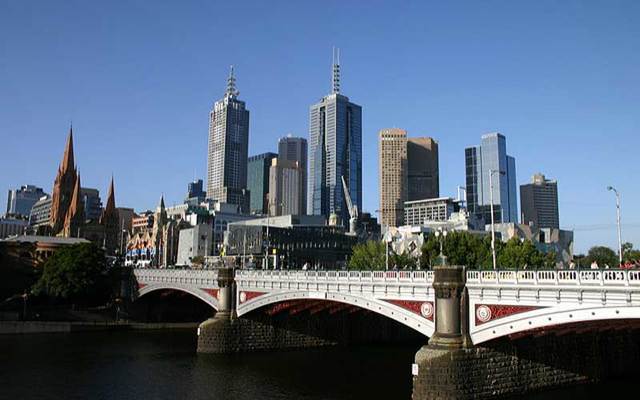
[29,327]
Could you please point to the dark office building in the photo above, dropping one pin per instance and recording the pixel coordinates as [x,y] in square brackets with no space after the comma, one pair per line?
[258,181]
[295,149]
[539,202]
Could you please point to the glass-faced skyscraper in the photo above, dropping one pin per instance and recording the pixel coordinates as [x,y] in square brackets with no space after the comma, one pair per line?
[228,148]
[335,151]
[491,155]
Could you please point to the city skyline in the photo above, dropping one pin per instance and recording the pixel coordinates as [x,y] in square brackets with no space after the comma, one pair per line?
[561,147]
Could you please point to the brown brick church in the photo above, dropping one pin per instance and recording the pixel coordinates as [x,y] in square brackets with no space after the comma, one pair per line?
[67,211]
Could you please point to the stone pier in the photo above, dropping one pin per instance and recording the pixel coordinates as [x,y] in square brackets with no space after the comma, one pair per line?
[450,367]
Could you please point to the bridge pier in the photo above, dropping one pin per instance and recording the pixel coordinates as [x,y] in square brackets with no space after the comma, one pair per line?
[216,335]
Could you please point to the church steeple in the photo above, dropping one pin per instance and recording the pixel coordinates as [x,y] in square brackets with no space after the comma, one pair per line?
[63,188]
[111,199]
[75,215]
[68,161]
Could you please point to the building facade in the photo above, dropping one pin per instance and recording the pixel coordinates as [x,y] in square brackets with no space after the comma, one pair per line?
[20,201]
[258,181]
[295,149]
[539,202]
[12,227]
[228,147]
[422,169]
[408,171]
[490,158]
[40,215]
[335,151]
[419,212]
[195,193]
[91,202]
[284,187]
[392,172]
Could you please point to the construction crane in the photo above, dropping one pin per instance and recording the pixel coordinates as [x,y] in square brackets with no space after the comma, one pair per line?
[353,209]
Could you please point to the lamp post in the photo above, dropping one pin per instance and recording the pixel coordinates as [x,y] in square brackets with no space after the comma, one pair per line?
[612,189]
[441,235]
[493,230]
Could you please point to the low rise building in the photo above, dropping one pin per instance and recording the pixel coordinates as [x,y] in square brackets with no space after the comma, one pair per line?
[196,241]
[291,241]
[417,212]
[12,227]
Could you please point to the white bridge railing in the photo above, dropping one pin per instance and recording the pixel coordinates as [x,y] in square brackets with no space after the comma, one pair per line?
[338,276]
[555,277]
[200,278]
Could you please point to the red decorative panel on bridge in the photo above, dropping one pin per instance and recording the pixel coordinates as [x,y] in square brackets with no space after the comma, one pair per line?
[424,309]
[246,296]
[490,312]
[141,285]
[212,292]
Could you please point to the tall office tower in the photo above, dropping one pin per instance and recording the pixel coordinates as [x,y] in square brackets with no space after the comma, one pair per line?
[91,203]
[422,167]
[491,155]
[284,187]
[539,202]
[335,151]
[392,167]
[20,201]
[228,147]
[295,149]
[258,181]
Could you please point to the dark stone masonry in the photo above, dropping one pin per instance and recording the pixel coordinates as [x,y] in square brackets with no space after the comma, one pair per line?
[526,365]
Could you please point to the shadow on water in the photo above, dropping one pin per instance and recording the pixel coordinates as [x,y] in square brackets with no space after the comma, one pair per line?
[164,365]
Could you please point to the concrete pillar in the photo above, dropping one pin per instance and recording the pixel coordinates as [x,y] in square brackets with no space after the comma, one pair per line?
[219,334]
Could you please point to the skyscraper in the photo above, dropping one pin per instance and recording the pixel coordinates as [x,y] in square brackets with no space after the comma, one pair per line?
[258,181]
[284,187]
[295,149]
[335,151]
[539,202]
[20,201]
[422,169]
[392,172]
[91,203]
[228,147]
[491,155]
[408,171]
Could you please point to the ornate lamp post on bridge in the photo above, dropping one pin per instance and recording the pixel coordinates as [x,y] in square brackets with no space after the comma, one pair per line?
[612,189]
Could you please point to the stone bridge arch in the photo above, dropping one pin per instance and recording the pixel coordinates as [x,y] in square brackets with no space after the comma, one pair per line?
[208,296]
[406,298]
[202,284]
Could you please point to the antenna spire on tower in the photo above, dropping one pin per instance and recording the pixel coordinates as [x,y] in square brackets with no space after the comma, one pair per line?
[335,87]
[231,85]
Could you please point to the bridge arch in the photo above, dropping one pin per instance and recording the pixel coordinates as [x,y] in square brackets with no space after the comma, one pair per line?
[417,315]
[208,296]
[548,318]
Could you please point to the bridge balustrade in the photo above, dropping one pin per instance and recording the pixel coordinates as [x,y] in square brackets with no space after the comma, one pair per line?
[295,275]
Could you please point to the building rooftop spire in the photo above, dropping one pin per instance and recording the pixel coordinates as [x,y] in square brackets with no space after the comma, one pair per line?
[67,159]
[335,79]
[111,198]
[231,85]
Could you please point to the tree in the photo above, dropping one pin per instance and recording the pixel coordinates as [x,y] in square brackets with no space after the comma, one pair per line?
[402,261]
[518,254]
[603,256]
[629,254]
[75,273]
[368,255]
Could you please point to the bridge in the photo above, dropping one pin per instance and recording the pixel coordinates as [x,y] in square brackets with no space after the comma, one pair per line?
[489,333]
[500,303]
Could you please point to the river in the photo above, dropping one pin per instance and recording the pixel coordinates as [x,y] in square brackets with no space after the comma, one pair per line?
[164,365]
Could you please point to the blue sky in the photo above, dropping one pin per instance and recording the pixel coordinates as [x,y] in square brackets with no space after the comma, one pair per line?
[559,79]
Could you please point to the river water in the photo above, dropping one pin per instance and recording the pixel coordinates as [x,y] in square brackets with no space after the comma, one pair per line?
[164,365]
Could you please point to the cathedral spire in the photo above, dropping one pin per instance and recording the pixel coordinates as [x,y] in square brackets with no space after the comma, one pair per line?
[111,199]
[67,159]
[335,81]
[75,215]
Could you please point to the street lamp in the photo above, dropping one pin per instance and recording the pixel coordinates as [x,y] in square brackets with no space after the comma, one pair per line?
[612,189]
[493,230]
[441,235]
